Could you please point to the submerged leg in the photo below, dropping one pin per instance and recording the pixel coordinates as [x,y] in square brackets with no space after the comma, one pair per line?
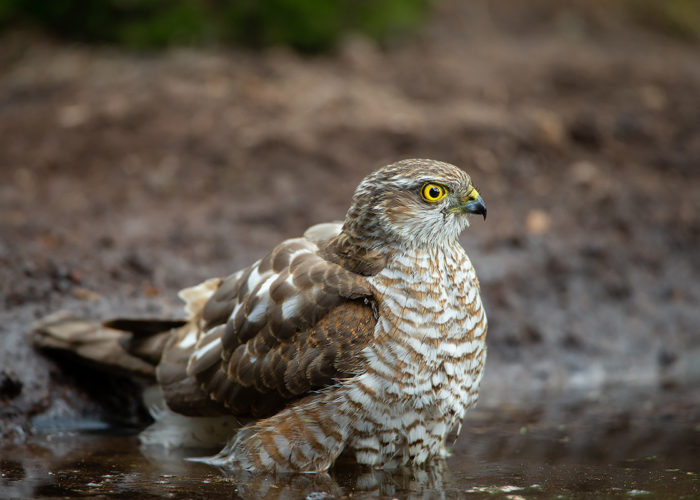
[306,437]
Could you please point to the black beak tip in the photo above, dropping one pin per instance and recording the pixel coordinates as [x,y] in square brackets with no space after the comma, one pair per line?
[477,207]
[481,207]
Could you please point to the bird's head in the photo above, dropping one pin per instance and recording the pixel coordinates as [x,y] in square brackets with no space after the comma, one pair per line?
[414,202]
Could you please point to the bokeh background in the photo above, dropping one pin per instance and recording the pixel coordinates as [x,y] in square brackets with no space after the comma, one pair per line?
[148,145]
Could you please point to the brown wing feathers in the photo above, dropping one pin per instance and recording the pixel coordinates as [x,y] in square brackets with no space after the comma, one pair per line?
[290,323]
[182,392]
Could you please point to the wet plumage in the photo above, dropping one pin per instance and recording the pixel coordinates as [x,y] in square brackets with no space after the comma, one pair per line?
[365,338]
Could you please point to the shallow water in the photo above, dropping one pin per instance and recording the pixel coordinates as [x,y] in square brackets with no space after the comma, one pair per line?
[579,451]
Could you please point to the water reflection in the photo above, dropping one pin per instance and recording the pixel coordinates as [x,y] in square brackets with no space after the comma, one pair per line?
[584,450]
[343,481]
[72,465]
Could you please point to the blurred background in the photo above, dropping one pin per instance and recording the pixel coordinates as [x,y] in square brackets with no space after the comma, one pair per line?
[148,145]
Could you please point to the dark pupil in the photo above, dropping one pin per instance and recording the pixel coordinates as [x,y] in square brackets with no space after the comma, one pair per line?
[434,192]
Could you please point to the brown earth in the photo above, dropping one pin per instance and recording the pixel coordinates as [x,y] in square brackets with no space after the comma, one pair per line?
[125,177]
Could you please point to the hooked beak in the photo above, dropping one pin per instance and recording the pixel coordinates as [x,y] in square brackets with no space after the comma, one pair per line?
[472,203]
[477,206]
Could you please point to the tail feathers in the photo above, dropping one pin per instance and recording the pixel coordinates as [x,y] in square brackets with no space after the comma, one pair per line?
[125,347]
[144,326]
[148,336]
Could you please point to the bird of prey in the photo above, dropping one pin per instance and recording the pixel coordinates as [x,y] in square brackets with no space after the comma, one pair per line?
[363,338]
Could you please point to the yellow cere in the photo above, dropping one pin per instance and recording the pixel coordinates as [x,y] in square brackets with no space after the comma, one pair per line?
[473,194]
[433,193]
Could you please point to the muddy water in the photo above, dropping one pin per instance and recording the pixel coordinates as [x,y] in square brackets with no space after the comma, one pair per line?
[585,450]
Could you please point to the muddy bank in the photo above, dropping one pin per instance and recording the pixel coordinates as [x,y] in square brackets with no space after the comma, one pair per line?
[125,177]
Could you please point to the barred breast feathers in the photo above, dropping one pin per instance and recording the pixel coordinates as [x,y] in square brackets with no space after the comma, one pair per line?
[431,317]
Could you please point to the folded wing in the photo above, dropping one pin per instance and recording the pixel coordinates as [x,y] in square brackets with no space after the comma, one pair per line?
[290,323]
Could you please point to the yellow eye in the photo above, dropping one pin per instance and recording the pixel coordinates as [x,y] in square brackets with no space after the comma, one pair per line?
[433,193]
